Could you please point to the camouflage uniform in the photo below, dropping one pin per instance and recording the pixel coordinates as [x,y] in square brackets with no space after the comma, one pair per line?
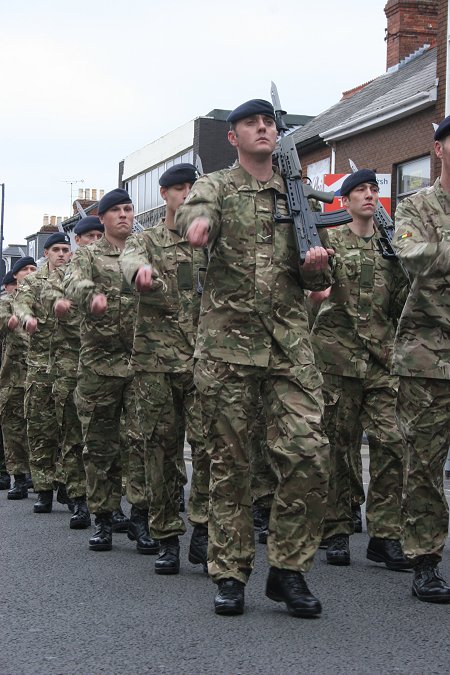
[64,355]
[42,426]
[352,337]
[163,363]
[12,381]
[253,341]
[263,481]
[105,385]
[422,359]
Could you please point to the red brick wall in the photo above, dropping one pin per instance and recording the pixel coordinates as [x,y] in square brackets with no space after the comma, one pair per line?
[410,24]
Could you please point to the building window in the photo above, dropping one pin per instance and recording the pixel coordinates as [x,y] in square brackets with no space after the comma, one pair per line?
[413,176]
[144,188]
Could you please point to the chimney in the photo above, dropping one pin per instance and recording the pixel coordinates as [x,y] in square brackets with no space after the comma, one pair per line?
[52,220]
[100,194]
[45,220]
[410,25]
[59,220]
[80,193]
[87,193]
[94,194]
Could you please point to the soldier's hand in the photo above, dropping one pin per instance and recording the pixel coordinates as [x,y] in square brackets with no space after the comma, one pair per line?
[198,231]
[144,279]
[317,297]
[31,325]
[316,259]
[99,304]
[13,322]
[62,307]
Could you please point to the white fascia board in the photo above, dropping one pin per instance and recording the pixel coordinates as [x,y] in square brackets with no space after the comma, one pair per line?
[379,117]
[173,143]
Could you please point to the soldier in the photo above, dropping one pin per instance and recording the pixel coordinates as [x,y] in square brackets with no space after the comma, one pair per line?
[253,341]
[104,389]
[9,285]
[42,428]
[422,359]
[352,337]
[169,276]
[12,381]
[65,355]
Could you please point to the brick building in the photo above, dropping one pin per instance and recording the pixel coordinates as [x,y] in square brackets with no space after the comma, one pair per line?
[386,124]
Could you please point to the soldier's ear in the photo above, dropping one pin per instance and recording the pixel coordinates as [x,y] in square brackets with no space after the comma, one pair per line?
[232,138]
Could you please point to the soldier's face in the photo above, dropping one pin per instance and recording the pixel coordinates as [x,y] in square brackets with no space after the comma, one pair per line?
[118,220]
[58,255]
[254,136]
[24,272]
[175,195]
[362,201]
[88,237]
[442,150]
[9,288]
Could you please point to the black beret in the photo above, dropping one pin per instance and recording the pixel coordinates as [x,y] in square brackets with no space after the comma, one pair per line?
[257,106]
[443,129]
[179,174]
[87,224]
[23,262]
[113,198]
[57,238]
[355,179]
[8,279]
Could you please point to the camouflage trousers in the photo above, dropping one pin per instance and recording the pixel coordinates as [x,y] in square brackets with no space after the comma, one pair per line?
[71,436]
[423,414]
[357,494]
[42,430]
[167,405]
[14,428]
[133,455]
[100,402]
[2,456]
[298,450]
[263,480]
[370,402]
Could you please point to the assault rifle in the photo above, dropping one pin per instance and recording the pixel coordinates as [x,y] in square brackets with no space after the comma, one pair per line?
[385,227]
[306,222]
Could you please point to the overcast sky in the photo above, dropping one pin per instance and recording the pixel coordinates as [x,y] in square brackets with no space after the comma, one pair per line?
[86,83]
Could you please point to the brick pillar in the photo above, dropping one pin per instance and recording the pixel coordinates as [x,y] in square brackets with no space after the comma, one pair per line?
[410,25]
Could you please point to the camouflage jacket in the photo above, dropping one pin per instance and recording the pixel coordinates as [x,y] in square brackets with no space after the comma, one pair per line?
[422,242]
[32,301]
[356,323]
[13,368]
[106,340]
[254,288]
[65,344]
[167,316]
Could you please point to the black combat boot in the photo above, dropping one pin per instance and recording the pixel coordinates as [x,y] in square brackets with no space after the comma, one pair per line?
[357,518]
[45,502]
[261,515]
[182,505]
[229,599]
[428,585]
[168,561]
[290,587]
[63,498]
[101,540]
[29,481]
[119,521]
[198,548]
[138,532]
[338,550]
[5,481]
[81,518]
[389,552]
[20,489]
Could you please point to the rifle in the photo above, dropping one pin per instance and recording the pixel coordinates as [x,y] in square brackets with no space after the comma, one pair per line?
[306,222]
[385,227]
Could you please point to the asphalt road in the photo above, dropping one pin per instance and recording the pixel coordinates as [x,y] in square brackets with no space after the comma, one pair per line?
[67,610]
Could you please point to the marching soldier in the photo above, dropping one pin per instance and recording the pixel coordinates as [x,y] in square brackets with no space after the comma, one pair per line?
[422,359]
[253,341]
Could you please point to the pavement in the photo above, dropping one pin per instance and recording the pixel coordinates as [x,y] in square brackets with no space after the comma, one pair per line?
[65,610]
